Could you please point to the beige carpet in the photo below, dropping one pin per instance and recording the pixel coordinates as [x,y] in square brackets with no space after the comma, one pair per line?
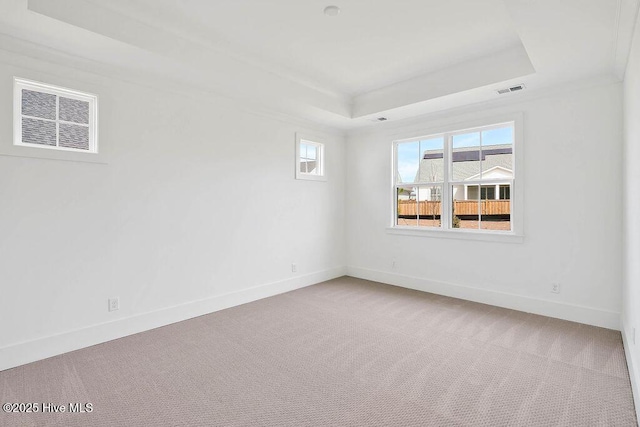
[342,353]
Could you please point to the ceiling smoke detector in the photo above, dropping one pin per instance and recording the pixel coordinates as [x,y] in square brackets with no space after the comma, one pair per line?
[332,10]
[510,89]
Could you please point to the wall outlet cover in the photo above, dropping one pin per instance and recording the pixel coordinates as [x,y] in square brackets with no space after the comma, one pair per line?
[114,304]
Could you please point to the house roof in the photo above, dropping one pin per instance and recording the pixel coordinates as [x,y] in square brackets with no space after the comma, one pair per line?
[467,162]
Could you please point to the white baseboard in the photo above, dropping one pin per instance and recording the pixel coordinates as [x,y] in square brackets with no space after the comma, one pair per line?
[575,313]
[42,348]
[634,373]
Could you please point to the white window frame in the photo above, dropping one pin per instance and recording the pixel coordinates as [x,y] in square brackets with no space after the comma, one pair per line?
[19,148]
[320,158]
[516,234]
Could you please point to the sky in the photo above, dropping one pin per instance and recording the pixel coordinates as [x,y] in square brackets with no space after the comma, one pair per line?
[308,151]
[410,153]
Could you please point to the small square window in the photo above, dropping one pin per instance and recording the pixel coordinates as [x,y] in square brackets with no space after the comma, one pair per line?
[309,159]
[54,118]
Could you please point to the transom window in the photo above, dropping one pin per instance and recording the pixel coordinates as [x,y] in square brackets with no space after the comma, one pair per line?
[458,180]
[53,117]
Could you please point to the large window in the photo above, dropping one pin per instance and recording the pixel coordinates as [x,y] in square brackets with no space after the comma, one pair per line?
[459,180]
[53,117]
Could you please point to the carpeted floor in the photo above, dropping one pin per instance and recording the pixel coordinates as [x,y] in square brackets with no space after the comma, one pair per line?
[341,353]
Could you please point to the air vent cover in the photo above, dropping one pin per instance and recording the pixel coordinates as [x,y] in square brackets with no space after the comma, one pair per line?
[510,89]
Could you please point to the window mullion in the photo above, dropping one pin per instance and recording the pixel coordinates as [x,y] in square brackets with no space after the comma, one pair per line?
[511,202]
[417,186]
[394,180]
[37,118]
[445,214]
[71,123]
[482,182]
[417,202]
[57,121]
[395,204]
[480,186]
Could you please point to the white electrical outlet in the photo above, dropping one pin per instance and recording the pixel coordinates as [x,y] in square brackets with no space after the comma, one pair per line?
[294,268]
[555,288]
[114,304]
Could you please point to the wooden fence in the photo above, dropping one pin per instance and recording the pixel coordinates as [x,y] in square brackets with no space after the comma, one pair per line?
[461,207]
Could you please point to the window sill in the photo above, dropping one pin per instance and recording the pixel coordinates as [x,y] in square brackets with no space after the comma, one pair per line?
[504,237]
[309,177]
[51,154]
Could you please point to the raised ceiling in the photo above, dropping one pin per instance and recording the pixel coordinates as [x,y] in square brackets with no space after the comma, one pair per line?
[375,58]
[371,44]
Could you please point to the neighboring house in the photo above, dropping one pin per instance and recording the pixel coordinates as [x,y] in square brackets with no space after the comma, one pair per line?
[468,164]
[308,166]
[404,194]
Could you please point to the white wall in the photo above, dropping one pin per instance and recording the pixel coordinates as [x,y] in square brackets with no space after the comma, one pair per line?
[571,140]
[197,207]
[631,215]
[197,210]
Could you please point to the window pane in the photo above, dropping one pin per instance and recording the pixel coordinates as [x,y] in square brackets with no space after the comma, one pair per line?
[73,136]
[309,166]
[497,153]
[407,207]
[465,207]
[73,110]
[465,161]
[430,206]
[498,136]
[312,167]
[488,192]
[432,160]
[303,151]
[472,193]
[408,161]
[496,214]
[311,152]
[505,192]
[38,104]
[40,132]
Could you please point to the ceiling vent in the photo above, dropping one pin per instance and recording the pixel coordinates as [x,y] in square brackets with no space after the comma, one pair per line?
[510,89]
[378,119]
